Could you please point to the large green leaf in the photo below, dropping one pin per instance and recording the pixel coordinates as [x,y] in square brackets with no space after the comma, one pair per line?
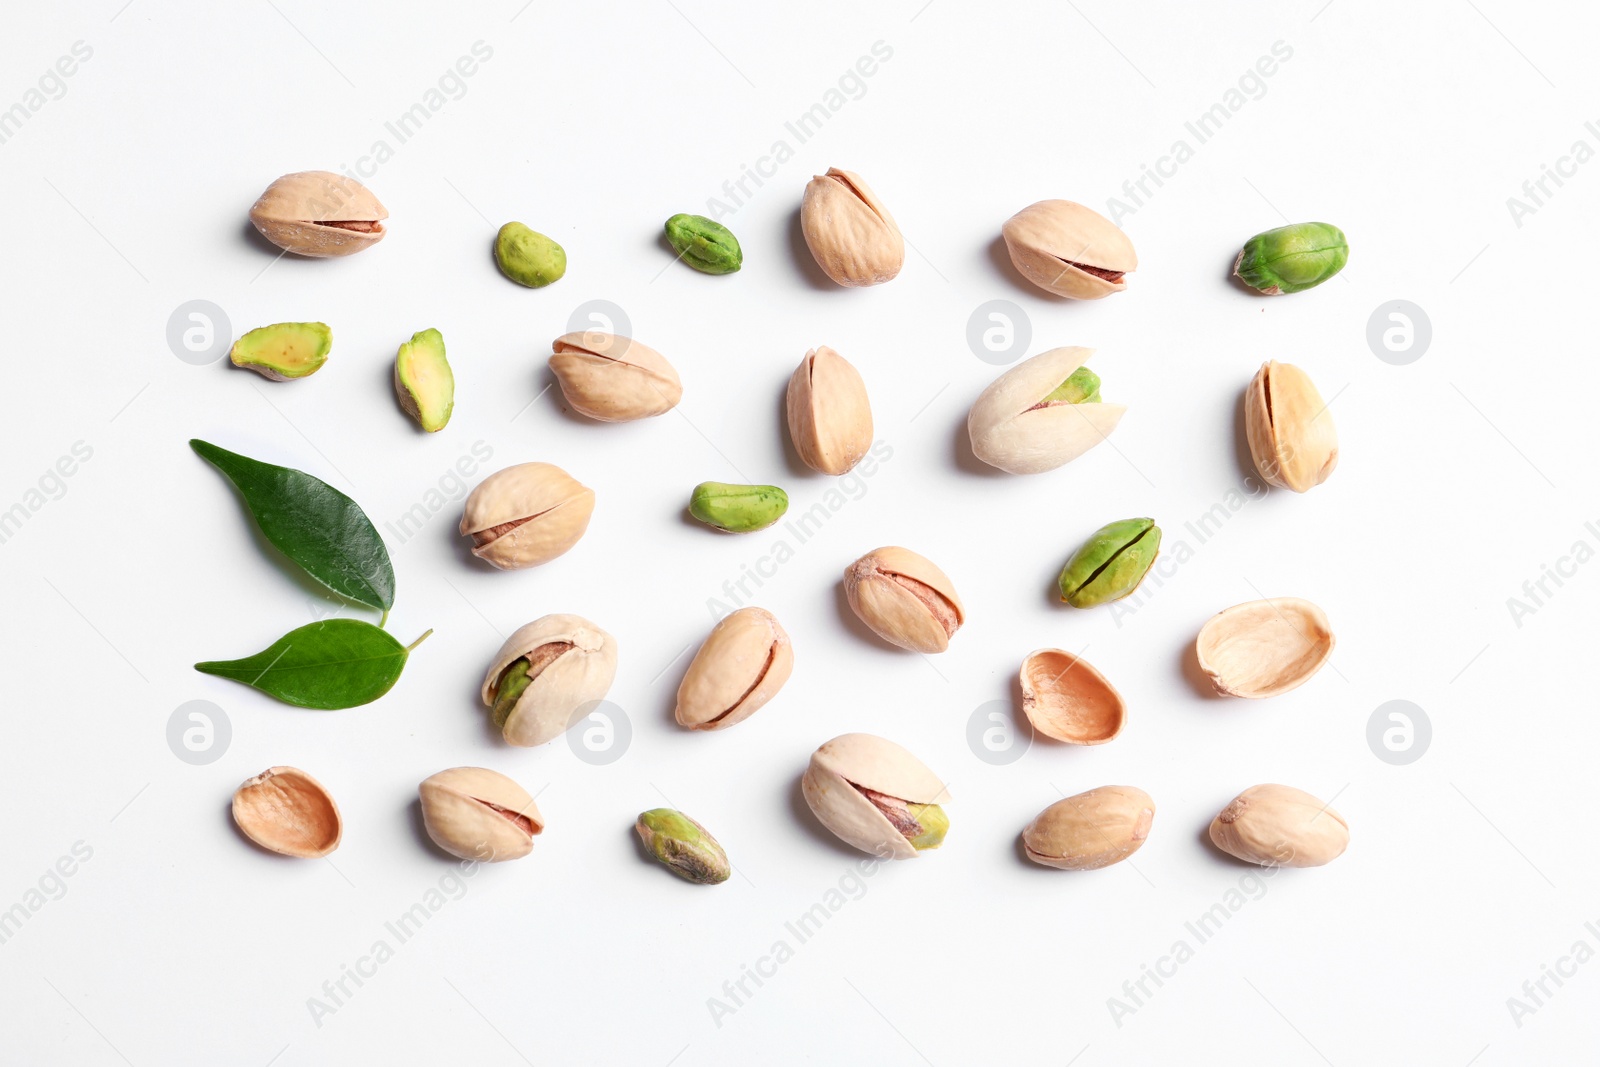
[336,663]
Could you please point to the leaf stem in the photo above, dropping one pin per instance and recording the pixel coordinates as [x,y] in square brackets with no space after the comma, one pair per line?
[385,622]
[418,641]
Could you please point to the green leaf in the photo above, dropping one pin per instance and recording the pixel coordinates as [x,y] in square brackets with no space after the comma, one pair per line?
[313,524]
[336,663]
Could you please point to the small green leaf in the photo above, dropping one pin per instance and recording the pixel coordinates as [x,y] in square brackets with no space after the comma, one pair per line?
[313,524]
[336,663]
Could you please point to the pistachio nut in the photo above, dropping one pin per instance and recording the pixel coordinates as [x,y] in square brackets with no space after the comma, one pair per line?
[738,508]
[286,810]
[1290,429]
[707,246]
[904,599]
[830,420]
[1291,258]
[479,814]
[1264,647]
[876,796]
[1111,564]
[1069,250]
[1064,697]
[1042,413]
[683,846]
[528,257]
[850,233]
[1280,826]
[526,515]
[317,213]
[1090,830]
[741,666]
[424,381]
[284,351]
[613,378]
[544,674]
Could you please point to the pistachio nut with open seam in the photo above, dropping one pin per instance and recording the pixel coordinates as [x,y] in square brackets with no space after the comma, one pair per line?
[545,674]
[1043,413]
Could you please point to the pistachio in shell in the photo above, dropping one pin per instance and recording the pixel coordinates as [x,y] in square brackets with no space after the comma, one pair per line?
[876,796]
[612,378]
[829,416]
[904,598]
[851,234]
[526,515]
[742,665]
[319,214]
[287,811]
[1069,250]
[478,814]
[1091,830]
[1280,826]
[545,674]
[1065,698]
[1289,428]
[1041,414]
[1264,647]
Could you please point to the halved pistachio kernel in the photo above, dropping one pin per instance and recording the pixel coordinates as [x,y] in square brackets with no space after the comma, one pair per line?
[924,825]
[1111,564]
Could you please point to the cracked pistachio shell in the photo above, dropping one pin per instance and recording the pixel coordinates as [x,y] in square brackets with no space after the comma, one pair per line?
[830,420]
[1069,250]
[286,810]
[1014,425]
[1091,830]
[1280,826]
[741,666]
[613,378]
[1292,258]
[1111,564]
[683,846]
[526,515]
[841,768]
[570,663]
[479,814]
[850,233]
[1264,647]
[319,214]
[904,599]
[1290,429]
[1064,697]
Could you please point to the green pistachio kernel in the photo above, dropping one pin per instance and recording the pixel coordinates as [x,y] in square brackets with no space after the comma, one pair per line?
[1082,387]
[1291,258]
[738,508]
[528,258]
[707,246]
[513,680]
[1111,564]
[934,825]
[683,846]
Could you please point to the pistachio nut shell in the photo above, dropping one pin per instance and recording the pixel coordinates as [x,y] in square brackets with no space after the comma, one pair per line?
[741,666]
[573,664]
[1111,564]
[1091,830]
[1289,259]
[830,419]
[683,846]
[286,810]
[738,508]
[1069,250]
[1015,427]
[526,515]
[840,766]
[479,814]
[1264,647]
[1065,698]
[613,378]
[1290,430]
[319,214]
[851,234]
[904,599]
[1280,826]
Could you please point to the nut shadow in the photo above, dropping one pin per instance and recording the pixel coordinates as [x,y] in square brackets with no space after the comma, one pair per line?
[419,829]
[808,820]
[804,261]
[965,460]
[852,622]
[1194,677]
[253,238]
[1242,457]
[1000,260]
[791,456]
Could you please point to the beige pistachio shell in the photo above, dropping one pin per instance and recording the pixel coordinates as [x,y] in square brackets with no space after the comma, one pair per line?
[613,378]
[1290,429]
[1013,428]
[1264,647]
[850,233]
[286,810]
[904,598]
[573,663]
[479,814]
[318,213]
[851,760]
[830,420]
[526,515]
[741,666]
[1069,250]
[1067,699]
[1091,830]
[1280,826]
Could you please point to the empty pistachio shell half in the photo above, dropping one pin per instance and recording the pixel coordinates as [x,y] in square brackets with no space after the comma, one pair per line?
[288,811]
[1264,647]
[850,233]
[526,515]
[741,666]
[1069,250]
[1091,830]
[318,213]
[545,674]
[479,814]
[1280,826]
[1111,564]
[1290,430]
[1064,697]
[904,599]
[875,795]
[830,420]
[1036,417]
[613,378]
[683,846]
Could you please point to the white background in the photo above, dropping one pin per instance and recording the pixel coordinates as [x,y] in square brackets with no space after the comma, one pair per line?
[1409,125]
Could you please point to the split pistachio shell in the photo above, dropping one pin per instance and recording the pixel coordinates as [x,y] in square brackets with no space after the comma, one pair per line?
[876,796]
[1111,564]
[286,810]
[741,666]
[1064,697]
[683,846]
[613,378]
[1290,429]
[850,233]
[1016,426]
[1280,826]
[479,814]
[830,420]
[1091,830]
[526,515]
[318,213]
[545,674]
[1069,250]
[904,598]
[1264,647]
